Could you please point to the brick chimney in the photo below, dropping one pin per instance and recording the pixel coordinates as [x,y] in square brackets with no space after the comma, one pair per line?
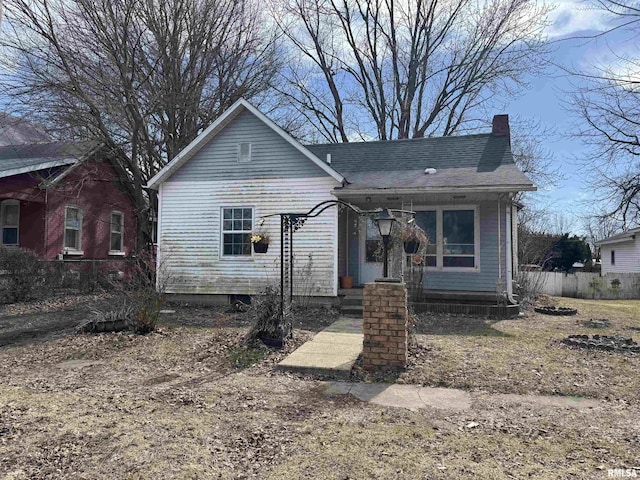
[501,126]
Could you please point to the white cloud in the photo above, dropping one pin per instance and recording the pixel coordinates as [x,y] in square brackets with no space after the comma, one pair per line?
[572,16]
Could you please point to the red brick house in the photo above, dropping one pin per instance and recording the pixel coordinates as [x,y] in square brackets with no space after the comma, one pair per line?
[64,201]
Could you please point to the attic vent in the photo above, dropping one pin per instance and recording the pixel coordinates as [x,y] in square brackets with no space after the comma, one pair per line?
[244,152]
[430,171]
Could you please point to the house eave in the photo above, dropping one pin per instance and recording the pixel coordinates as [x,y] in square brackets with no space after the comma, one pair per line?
[351,192]
[630,238]
[38,166]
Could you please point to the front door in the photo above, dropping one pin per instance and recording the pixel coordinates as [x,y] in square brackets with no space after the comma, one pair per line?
[371,251]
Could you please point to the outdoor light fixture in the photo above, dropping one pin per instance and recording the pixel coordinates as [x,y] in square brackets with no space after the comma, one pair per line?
[385,225]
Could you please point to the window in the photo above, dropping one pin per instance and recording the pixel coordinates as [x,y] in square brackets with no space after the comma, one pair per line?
[428,222]
[458,248]
[116,229]
[373,242]
[244,152]
[72,228]
[237,224]
[10,219]
[453,237]
[613,257]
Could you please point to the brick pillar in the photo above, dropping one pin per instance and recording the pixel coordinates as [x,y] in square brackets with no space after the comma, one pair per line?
[385,324]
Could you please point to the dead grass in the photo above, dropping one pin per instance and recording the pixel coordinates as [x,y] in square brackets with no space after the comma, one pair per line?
[527,356]
[191,403]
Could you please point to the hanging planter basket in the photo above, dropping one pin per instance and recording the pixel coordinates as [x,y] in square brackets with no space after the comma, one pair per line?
[411,247]
[260,247]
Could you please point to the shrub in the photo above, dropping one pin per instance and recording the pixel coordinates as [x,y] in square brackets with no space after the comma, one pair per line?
[21,275]
[148,305]
[265,314]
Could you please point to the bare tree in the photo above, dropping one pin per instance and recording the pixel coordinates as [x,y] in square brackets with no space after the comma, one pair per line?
[608,103]
[144,77]
[389,69]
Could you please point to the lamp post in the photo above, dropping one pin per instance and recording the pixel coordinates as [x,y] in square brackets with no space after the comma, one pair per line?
[385,225]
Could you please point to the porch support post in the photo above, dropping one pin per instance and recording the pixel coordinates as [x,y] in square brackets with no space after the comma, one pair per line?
[281,265]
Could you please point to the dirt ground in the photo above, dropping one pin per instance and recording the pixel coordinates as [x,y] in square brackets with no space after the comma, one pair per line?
[190,402]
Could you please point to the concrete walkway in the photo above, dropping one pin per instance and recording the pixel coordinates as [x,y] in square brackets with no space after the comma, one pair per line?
[332,351]
[415,397]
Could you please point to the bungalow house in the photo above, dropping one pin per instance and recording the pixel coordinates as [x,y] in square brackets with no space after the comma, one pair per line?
[62,200]
[621,253]
[243,169]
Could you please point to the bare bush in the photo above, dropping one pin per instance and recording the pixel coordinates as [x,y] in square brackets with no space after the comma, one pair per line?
[21,276]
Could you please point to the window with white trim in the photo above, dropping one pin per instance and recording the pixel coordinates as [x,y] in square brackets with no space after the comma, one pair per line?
[10,220]
[237,224]
[458,235]
[72,228]
[453,237]
[116,232]
[244,152]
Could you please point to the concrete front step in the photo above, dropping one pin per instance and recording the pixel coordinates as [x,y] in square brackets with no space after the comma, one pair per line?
[352,310]
[332,351]
[351,301]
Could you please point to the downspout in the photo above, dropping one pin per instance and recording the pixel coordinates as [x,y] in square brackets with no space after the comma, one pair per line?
[499,243]
[509,264]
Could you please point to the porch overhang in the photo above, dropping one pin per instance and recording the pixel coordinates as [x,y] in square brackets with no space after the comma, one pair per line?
[364,192]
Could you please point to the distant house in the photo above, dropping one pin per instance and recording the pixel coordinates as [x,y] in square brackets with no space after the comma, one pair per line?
[244,168]
[61,200]
[621,253]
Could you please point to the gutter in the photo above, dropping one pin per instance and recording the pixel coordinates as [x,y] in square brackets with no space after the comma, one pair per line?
[617,240]
[422,190]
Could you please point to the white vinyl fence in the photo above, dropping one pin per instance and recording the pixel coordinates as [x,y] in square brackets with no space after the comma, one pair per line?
[587,285]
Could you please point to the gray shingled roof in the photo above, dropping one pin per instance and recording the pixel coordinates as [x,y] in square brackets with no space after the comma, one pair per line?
[15,159]
[464,161]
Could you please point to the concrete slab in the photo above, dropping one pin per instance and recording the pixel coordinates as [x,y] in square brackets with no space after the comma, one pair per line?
[411,397]
[345,325]
[331,351]
[415,397]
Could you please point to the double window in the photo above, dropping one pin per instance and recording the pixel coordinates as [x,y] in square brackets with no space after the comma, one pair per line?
[10,221]
[237,224]
[453,237]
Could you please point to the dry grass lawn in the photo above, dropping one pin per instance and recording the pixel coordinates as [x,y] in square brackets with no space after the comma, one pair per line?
[190,403]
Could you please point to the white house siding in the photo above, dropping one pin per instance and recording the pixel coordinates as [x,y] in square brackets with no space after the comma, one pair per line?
[627,257]
[278,179]
[190,239]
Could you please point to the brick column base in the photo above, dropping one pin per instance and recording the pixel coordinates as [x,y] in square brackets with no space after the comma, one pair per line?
[385,324]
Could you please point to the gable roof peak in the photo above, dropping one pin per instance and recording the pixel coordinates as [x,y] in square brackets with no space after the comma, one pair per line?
[216,127]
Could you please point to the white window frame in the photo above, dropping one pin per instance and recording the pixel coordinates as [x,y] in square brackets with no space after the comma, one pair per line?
[222,256]
[72,250]
[121,232]
[246,159]
[439,209]
[2,222]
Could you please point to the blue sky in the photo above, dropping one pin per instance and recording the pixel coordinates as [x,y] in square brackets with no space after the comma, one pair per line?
[545,100]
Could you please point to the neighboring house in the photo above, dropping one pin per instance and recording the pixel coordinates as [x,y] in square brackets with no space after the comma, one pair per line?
[621,253]
[244,168]
[62,201]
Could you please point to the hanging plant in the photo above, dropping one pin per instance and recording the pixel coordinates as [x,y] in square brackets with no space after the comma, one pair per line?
[413,237]
[260,239]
